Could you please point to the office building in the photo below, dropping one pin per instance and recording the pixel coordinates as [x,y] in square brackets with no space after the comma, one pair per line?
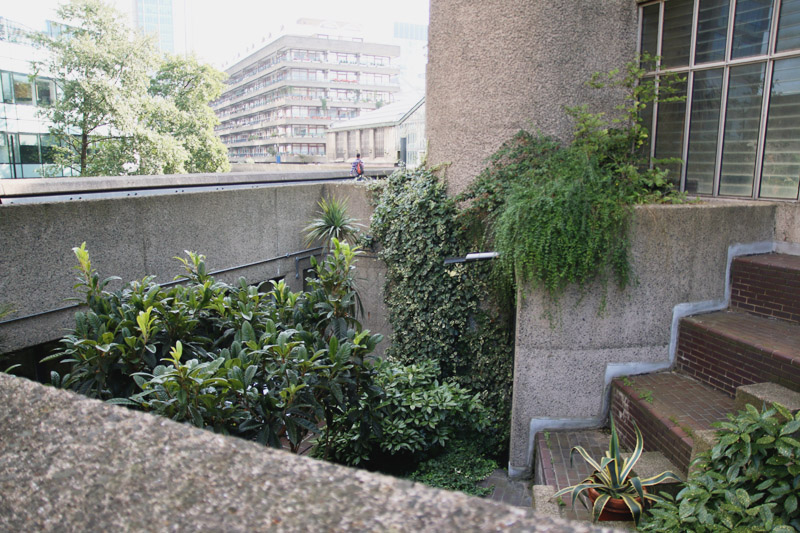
[282,97]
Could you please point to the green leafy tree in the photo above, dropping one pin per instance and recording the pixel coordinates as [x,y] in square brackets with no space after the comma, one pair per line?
[181,91]
[111,117]
[101,67]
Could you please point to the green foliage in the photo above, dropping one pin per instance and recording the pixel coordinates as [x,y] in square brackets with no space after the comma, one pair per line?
[749,481]
[333,223]
[110,117]
[613,477]
[460,467]
[415,416]
[438,312]
[273,367]
[559,214]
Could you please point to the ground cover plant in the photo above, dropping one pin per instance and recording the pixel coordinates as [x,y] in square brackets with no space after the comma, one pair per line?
[260,362]
[749,481]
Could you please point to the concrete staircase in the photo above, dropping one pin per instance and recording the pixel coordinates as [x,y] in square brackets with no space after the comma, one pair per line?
[748,353]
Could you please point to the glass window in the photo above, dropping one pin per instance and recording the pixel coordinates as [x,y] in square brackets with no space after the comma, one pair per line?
[742,122]
[5,157]
[789,26]
[712,30]
[751,27]
[23,90]
[781,168]
[45,92]
[48,153]
[704,131]
[676,41]
[669,133]
[650,16]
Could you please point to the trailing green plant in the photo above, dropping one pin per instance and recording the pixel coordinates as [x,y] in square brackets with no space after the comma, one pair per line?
[614,477]
[461,466]
[749,481]
[559,214]
[441,312]
[333,222]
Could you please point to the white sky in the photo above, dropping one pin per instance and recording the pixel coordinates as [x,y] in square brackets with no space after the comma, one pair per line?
[222,29]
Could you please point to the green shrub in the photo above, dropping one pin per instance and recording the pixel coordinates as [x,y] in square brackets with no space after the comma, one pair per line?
[460,467]
[749,481]
[415,415]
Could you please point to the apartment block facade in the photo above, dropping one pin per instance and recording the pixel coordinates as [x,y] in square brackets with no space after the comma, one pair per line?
[282,98]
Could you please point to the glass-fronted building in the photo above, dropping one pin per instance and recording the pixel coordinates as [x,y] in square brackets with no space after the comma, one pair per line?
[26,147]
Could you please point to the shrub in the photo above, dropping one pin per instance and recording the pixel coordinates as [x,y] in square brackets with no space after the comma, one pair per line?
[749,481]
[414,416]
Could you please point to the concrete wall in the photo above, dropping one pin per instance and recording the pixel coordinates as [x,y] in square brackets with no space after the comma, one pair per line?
[498,66]
[137,236]
[69,463]
[679,254]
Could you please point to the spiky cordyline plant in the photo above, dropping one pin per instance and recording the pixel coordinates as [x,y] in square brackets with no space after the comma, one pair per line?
[614,478]
[333,223]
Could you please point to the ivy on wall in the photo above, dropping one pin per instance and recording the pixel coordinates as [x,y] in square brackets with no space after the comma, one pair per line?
[437,311]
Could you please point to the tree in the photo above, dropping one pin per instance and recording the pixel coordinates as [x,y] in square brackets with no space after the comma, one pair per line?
[101,67]
[181,91]
[112,118]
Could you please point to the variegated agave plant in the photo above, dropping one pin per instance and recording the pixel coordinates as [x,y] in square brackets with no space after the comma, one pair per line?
[614,478]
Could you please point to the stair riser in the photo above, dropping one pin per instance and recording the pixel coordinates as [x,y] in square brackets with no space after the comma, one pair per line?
[765,290]
[659,434]
[725,364]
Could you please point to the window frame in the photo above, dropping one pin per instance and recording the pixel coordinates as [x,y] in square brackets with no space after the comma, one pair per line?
[726,64]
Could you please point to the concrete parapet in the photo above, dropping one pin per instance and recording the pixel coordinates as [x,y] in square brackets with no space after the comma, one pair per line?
[133,237]
[69,463]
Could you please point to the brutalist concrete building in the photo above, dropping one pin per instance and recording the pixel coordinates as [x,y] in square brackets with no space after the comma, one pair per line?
[281,98]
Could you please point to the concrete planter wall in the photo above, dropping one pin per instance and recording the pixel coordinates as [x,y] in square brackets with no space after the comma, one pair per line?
[133,237]
[679,255]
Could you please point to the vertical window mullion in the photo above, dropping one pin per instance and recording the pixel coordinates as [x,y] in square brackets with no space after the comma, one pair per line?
[762,128]
[654,121]
[693,45]
[731,23]
[686,124]
[723,111]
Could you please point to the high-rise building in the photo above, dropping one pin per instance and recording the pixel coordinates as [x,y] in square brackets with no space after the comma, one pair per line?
[164,20]
[281,98]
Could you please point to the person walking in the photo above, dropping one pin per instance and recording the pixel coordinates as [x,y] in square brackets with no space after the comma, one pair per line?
[358,167]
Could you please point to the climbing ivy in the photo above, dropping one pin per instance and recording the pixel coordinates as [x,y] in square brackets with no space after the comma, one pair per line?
[437,311]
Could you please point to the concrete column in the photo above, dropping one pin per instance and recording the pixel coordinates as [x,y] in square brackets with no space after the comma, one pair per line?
[497,66]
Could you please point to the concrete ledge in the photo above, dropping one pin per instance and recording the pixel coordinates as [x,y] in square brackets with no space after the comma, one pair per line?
[702,441]
[68,463]
[543,502]
[760,394]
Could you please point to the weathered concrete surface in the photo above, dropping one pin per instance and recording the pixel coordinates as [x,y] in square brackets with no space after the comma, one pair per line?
[498,66]
[68,463]
[765,394]
[679,254]
[137,236]
[787,222]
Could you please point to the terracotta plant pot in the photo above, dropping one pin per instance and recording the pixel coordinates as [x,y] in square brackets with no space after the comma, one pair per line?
[615,510]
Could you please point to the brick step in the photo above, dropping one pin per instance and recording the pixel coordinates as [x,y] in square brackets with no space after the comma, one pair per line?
[554,469]
[727,349]
[669,409]
[767,285]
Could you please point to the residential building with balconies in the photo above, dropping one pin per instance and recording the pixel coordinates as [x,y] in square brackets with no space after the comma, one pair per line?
[282,98]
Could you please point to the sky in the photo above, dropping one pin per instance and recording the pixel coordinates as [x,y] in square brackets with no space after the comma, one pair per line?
[218,34]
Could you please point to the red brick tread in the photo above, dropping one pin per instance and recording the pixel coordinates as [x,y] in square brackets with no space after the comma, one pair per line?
[727,349]
[668,408]
[783,261]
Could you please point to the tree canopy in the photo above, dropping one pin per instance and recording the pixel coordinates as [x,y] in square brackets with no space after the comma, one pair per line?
[122,109]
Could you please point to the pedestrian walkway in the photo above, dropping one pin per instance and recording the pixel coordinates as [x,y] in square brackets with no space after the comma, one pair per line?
[508,491]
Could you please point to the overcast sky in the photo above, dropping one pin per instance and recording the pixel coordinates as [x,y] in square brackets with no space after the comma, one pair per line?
[222,29]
